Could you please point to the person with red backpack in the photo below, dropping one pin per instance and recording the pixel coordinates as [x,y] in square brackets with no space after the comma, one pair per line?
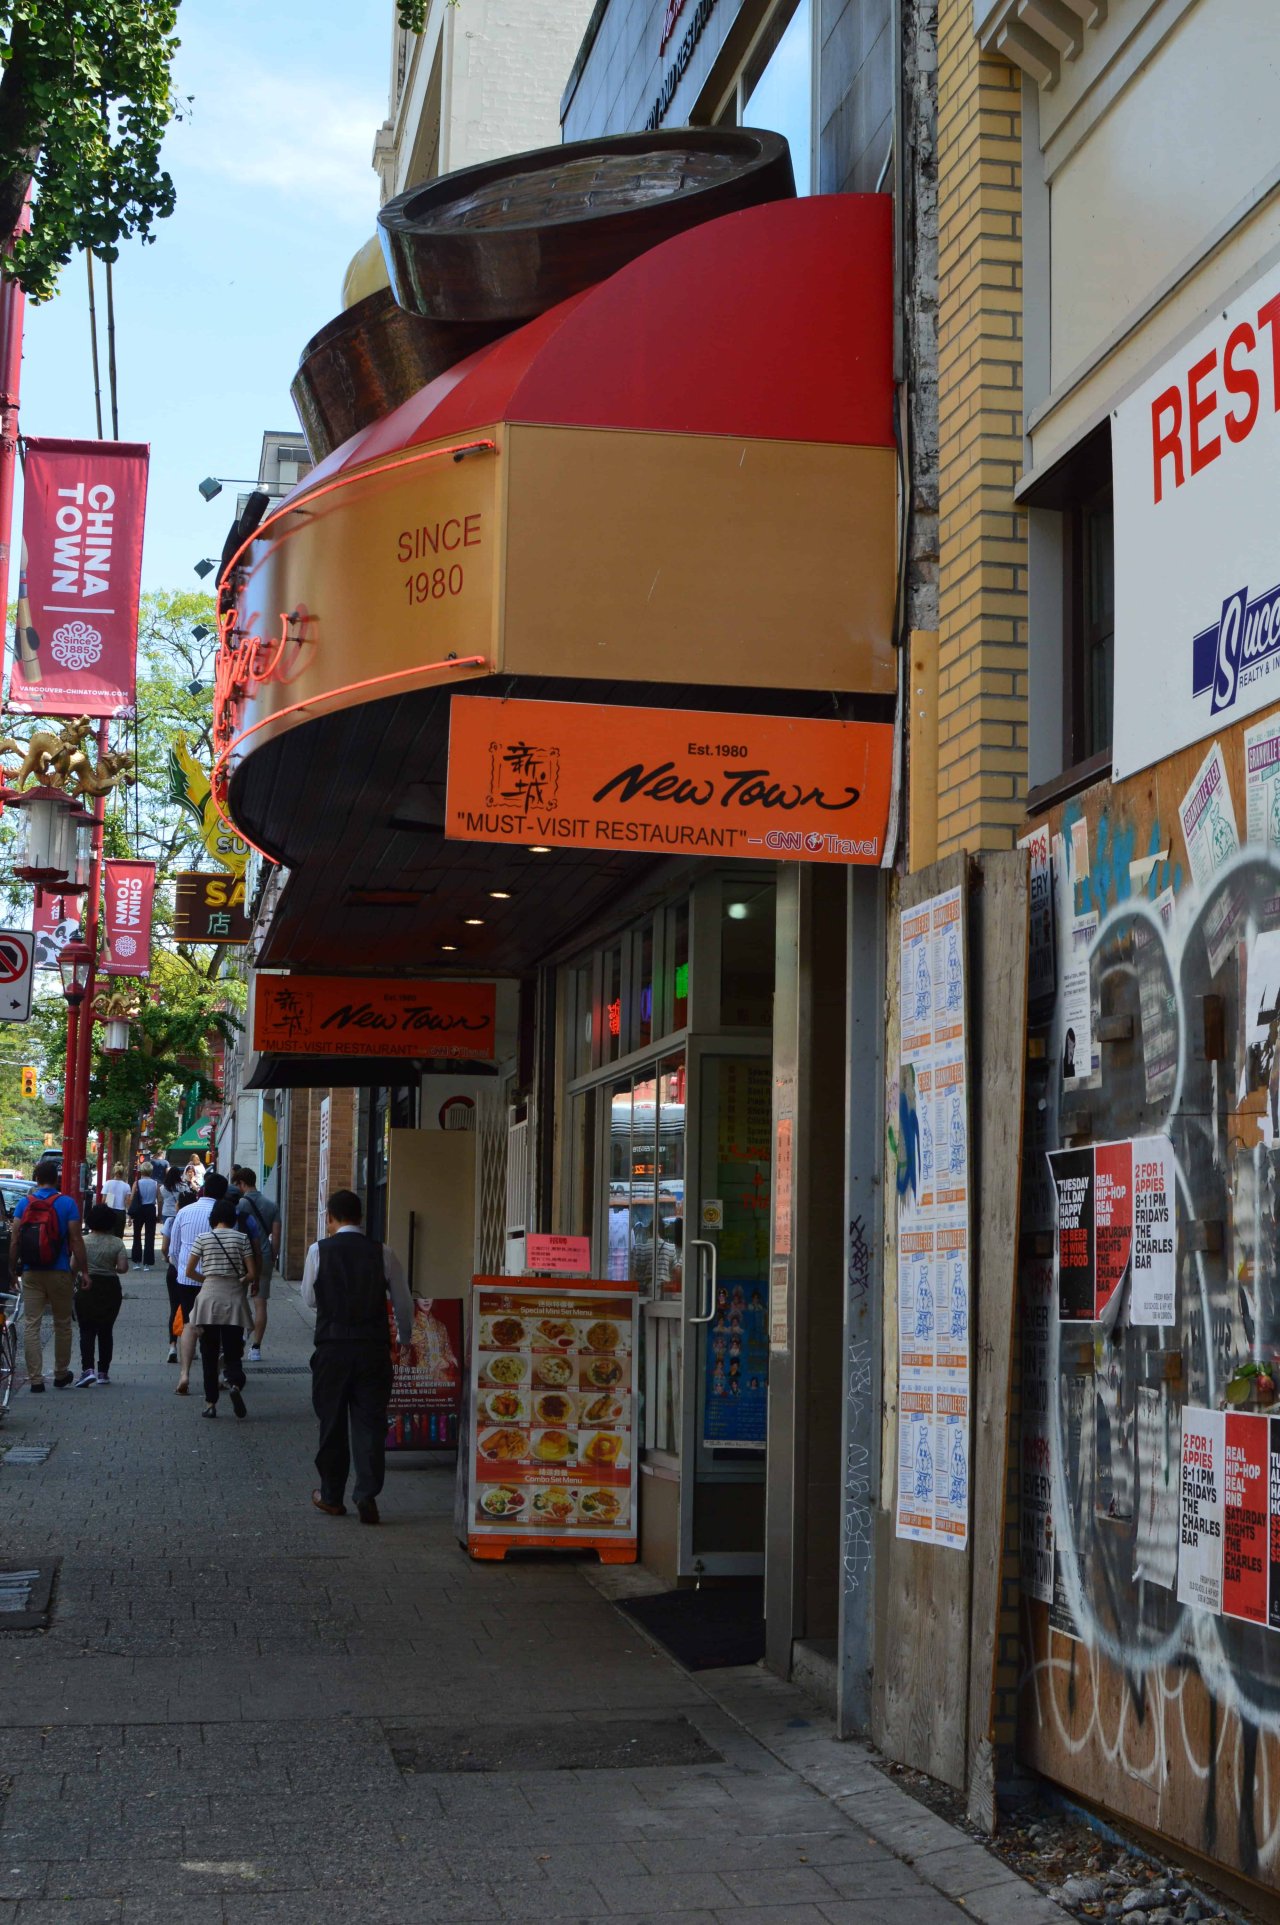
[46,1245]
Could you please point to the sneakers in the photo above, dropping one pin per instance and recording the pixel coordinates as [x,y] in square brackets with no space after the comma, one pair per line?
[172,1358]
[62,1379]
[237,1403]
[255,1354]
[103,1378]
[86,1378]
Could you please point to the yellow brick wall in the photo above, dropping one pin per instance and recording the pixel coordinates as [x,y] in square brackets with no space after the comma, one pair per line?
[982,640]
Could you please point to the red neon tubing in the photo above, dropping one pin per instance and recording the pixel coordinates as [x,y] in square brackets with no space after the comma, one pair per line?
[295,708]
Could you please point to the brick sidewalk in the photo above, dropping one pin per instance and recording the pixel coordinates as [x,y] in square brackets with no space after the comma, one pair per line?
[215,1726]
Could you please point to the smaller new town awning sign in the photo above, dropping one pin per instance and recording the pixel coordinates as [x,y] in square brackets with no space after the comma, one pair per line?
[365,1016]
[587,776]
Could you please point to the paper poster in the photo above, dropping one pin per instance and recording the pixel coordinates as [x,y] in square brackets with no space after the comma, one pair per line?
[1073,1239]
[1112,1219]
[917,1486]
[1201,1509]
[1155,1217]
[934,1311]
[1273,1532]
[1079,1068]
[1042,972]
[1114,1437]
[1246,1519]
[1157,1008]
[1077,1428]
[735,1412]
[1111,1229]
[1262,783]
[1156,1554]
[551,1445]
[426,1377]
[1036,1466]
[1209,830]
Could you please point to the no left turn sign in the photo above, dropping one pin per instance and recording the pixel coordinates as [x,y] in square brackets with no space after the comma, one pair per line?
[17,966]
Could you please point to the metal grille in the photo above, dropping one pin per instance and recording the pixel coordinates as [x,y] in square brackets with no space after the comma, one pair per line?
[491,1181]
[518,1135]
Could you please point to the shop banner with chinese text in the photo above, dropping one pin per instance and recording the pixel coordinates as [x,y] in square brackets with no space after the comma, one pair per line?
[127,896]
[549,1453]
[76,636]
[371,1016]
[578,775]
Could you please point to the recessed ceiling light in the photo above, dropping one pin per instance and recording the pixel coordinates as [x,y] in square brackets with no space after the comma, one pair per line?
[539,849]
[737,911]
[500,895]
[449,945]
[474,922]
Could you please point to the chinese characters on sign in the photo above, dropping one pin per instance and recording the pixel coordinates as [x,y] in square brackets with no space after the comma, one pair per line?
[582,776]
[210,907]
[933,1227]
[370,1016]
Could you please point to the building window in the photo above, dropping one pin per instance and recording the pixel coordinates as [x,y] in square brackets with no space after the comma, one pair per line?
[1090,626]
[774,87]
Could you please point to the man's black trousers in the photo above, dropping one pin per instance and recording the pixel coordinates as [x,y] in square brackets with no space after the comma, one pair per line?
[350,1391]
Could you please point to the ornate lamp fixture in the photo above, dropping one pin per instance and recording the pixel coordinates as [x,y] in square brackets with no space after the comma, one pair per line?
[56,841]
[115,1009]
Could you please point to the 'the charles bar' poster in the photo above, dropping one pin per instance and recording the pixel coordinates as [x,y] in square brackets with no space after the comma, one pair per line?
[1117,1214]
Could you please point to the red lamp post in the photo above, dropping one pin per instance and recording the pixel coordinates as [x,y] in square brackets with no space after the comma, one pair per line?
[75,965]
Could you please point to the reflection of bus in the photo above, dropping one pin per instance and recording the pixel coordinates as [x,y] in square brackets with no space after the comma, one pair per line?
[646,1194]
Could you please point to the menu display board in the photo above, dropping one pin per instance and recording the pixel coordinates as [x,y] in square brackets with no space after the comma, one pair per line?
[550,1456]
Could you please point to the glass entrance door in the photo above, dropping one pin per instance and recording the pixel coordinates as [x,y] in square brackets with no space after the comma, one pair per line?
[725,1309]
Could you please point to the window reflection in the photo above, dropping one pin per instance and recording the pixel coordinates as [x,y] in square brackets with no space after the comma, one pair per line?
[779,95]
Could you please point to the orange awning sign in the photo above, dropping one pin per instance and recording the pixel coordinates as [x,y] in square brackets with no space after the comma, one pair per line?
[578,775]
[361,1016]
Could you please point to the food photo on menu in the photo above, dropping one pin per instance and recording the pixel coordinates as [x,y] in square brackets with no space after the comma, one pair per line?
[553,1413]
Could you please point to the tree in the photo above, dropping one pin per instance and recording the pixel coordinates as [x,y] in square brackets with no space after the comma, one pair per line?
[85,98]
[181,1010]
[412,14]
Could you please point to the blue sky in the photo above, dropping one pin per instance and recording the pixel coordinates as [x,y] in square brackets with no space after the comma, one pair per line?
[275,193]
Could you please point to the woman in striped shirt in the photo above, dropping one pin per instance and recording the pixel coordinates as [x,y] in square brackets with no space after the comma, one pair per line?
[223,1260]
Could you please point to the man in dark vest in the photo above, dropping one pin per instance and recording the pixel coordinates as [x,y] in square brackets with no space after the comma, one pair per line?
[346,1280]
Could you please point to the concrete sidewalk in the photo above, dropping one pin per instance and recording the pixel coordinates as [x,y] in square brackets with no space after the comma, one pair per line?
[246,1712]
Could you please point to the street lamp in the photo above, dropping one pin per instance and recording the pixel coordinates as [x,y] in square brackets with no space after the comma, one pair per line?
[75,966]
[41,854]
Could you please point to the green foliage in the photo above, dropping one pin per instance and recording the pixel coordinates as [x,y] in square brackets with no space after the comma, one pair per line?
[85,98]
[181,1010]
[412,14]
[24,1120]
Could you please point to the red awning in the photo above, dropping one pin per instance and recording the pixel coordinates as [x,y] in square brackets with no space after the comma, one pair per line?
[775,324]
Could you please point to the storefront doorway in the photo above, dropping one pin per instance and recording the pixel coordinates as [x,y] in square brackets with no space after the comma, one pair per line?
[669,1173]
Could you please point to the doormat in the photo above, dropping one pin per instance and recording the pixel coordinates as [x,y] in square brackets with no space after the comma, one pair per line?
[571,1744]
[708,1629]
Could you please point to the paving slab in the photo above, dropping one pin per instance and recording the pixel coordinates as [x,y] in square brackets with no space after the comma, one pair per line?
[219,1723]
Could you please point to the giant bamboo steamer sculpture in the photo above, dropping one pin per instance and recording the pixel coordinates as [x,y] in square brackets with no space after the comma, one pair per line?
[504,241]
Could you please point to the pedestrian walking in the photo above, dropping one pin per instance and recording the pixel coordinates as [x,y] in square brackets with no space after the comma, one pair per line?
[115,1191]
[182,1200]
[346,1280]
[187,1226]
[99,1298]
[143,1211]
[193,1175]
[260,1216]
[224,1260]
[46,1246]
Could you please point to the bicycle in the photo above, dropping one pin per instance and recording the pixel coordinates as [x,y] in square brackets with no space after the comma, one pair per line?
[10,1323]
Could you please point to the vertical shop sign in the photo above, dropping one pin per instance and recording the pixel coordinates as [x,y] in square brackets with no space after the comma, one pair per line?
[1201,1509]
[1245,1548]
[128,895]
[550,1450]
[76,641]
[933,1227]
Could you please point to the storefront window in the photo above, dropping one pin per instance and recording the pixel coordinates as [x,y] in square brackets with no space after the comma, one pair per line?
[671,1119]
[612,1011]
[582,1152]
[678,964]
[582,1013]
[746,953]
[644,988]
[618,1261]
[778,87]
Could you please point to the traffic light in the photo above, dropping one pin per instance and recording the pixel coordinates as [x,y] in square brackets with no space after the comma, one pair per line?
[28,1082]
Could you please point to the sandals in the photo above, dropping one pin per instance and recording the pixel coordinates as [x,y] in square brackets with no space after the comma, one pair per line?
[182,1388]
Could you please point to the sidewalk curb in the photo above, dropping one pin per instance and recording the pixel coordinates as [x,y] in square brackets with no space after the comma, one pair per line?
[789,1726]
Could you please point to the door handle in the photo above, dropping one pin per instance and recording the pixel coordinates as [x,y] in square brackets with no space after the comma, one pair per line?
[711,1272]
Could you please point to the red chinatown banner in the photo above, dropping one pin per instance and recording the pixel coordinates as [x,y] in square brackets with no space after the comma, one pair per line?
[127,898]
[75,648]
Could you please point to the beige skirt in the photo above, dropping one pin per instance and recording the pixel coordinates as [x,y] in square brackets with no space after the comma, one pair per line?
[221,1303]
